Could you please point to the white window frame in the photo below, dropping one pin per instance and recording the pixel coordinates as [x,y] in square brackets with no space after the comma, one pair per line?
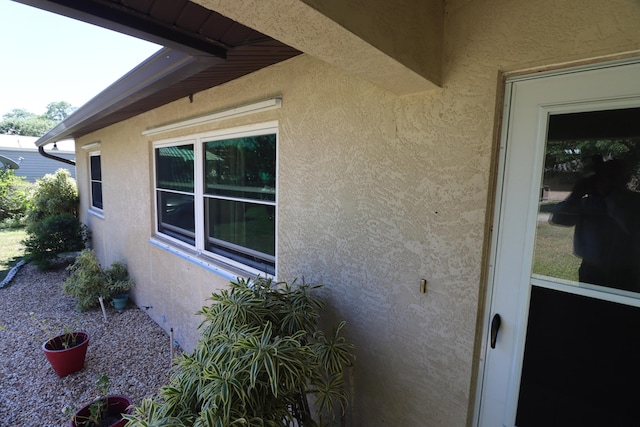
[91,181]
[198,253]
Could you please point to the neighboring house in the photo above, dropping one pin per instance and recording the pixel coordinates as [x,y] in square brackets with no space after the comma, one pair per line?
[33,165]
[394,142]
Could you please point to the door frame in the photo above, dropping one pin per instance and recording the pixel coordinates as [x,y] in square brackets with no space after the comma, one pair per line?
[496,217]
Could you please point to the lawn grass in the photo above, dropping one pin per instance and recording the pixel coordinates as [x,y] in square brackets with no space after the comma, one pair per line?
[11,249]
[554,255]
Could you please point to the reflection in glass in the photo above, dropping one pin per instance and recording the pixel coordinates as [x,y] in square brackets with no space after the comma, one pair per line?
[241,167]
[176,216]
[96,168]
[588,227]
[174,168]
[242,231]
[240,194]
[96,194]
[96,181]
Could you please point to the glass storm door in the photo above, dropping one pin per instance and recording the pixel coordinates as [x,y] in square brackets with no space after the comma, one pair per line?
[562,341]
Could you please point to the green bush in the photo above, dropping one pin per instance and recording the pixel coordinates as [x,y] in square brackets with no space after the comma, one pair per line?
[259,360]
[52,223]
[53,235]
[88,281]
[54,194]
[14,196]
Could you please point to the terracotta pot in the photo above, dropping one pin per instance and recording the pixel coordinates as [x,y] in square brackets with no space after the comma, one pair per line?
[68,360]
[116,406]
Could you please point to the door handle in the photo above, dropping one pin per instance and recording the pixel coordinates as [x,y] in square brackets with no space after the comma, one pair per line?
[495,327]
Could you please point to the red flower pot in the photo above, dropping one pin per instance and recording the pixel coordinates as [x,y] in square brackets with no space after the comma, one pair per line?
[116,406]
[66,353]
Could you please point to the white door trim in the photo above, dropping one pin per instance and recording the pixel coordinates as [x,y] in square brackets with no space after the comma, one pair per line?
[511,332]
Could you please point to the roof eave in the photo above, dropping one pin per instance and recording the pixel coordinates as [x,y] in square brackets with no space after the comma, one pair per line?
[161,70]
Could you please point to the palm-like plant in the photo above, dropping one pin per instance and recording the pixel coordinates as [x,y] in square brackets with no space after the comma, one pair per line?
[86,280]
[259,358]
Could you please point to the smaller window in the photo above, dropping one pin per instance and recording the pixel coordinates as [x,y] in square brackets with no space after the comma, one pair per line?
[175,190]
[96,180]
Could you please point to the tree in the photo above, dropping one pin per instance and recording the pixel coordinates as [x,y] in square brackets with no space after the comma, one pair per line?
[18,113]
[34,126]
[568,155]
[14,192]
[22,122]
[58,111]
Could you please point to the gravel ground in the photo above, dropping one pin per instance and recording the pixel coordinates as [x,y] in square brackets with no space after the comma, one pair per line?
[132,350]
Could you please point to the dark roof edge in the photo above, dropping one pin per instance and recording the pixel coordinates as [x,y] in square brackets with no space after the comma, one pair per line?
[165,67]
[82,11]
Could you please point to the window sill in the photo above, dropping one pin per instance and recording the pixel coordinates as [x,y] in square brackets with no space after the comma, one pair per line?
[214,266]
[96,213]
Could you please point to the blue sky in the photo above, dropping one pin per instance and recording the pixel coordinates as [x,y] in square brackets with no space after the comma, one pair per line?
[47,58]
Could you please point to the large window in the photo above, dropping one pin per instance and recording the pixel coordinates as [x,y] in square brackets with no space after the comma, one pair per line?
[96,180]
[217,193]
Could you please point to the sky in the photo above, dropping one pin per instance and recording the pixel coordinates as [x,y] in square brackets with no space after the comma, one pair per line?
[47,58]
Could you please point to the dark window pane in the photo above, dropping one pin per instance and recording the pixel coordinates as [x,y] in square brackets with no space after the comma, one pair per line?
[96,181]
[580,364]
[96,194]
[176,216]
[174,168]
[241,167]
[242,231]
[96,168]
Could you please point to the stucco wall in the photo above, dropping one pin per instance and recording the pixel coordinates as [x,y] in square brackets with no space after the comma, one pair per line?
[376,191]
[399,28]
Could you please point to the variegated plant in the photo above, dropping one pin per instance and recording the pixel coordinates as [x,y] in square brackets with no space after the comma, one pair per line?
[260,361]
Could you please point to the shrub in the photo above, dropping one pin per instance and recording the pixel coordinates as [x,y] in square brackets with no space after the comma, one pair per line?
[54,194]
[14,196]
[53,235]
[86,281]
[259,358]
[52,224]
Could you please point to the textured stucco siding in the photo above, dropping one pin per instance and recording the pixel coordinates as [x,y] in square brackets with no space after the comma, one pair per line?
[375,192]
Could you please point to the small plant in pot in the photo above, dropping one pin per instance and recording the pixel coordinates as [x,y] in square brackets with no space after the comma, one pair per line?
[66,352]
[118,284]
[105,411]
[260,361]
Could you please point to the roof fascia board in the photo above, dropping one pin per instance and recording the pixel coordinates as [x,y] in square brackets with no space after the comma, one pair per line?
[105,14]
[164,68]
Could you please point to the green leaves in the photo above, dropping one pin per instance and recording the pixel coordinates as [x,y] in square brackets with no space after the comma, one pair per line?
[52,219]
[151,414]
[14,195]
[22,122]
[259,356]
[333,353]
[86,280]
